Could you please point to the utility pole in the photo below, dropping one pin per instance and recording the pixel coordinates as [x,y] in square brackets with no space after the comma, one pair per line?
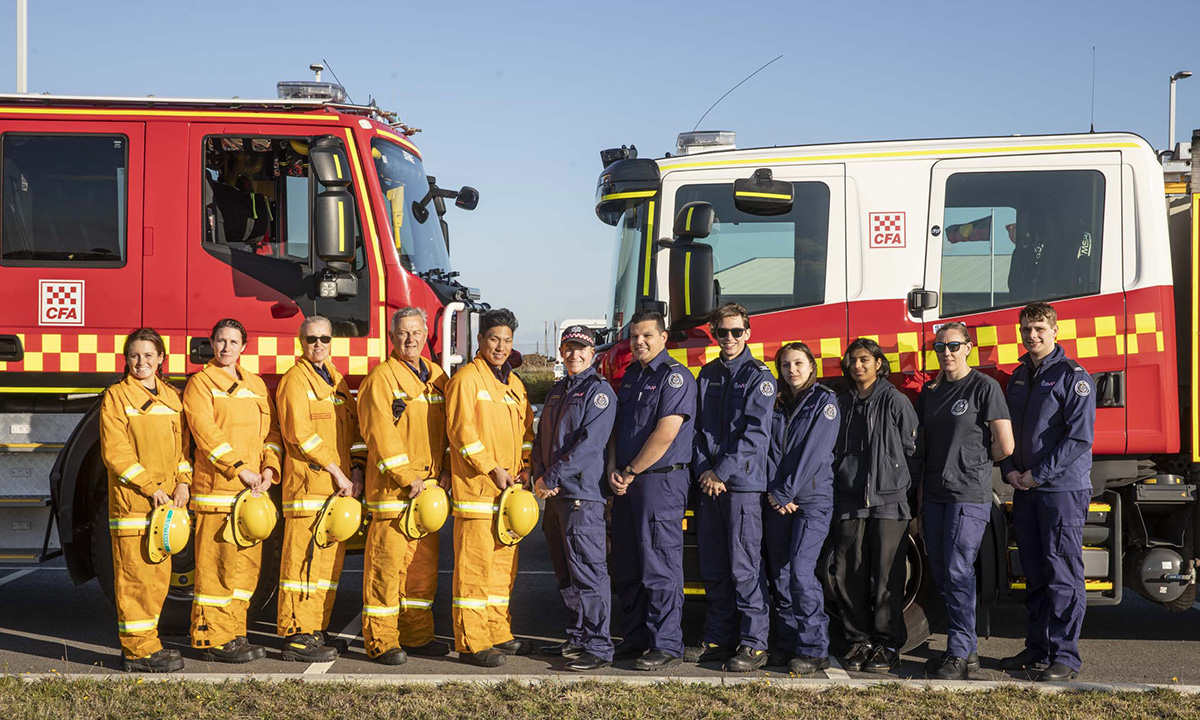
[22,45]
[546,334]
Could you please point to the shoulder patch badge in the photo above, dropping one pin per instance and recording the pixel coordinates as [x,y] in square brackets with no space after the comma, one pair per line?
[830,411]
[676,380]
[1082,389]
[959,407]
[767,388]
[600,401]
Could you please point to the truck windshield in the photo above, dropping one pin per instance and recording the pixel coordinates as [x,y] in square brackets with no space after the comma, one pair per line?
[627,282]
[402,178]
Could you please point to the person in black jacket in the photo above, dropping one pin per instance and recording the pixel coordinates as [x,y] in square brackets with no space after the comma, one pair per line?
[871,508]
[804,429]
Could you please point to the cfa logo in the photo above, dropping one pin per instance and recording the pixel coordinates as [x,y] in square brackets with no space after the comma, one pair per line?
[60,302]
[887,230]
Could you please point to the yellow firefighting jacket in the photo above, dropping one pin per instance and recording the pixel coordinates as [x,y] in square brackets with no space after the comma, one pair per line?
[403,420]
[145,445]
[234,427]
[489,424]
[319,426]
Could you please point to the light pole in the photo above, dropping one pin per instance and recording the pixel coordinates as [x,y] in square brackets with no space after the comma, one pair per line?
[1171,124]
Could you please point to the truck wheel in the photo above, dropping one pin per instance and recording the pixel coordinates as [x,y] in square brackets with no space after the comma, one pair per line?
[922,607]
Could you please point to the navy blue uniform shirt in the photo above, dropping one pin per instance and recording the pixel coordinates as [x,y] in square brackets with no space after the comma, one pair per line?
[736,401]
[568,451]
[802,440]
[1053,411]
[663,388]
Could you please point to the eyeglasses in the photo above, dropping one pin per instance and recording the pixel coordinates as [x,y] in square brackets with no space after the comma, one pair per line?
[954,345]
[314,339]
[726,332]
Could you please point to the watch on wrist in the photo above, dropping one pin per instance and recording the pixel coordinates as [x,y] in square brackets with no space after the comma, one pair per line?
[629,470]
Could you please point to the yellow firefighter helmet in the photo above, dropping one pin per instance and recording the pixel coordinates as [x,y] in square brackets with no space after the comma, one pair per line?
[170,528]
[339,519]
[517,516]
[426,513]
[252,520]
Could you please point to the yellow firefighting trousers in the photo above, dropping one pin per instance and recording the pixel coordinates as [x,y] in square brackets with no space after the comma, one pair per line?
[308,578]
[141,588]
[484,573]
[399,581]
[226,576]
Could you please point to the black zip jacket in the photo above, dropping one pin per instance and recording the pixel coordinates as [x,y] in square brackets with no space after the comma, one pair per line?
[891,440]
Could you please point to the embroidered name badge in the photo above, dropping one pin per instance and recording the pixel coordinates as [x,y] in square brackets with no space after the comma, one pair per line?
[321,416]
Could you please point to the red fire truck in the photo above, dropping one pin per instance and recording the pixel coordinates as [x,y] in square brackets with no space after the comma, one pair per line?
[117,213]
[888,240]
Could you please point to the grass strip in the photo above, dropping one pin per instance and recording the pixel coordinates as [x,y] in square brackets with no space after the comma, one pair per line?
[294,700]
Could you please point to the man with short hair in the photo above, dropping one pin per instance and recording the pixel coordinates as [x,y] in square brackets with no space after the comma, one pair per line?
[1053,404]
[568,472]
[490,428]
[317,418]
[647,470]
[402,410]
[729,462]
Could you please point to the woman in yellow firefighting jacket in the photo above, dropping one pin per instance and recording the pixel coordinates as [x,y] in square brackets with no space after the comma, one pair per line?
[319,424]
[232,419]
[144,445]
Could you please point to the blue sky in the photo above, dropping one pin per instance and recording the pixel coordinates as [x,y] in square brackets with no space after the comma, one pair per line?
[518,99]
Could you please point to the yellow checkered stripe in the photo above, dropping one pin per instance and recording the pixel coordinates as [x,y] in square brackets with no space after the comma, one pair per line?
[101,353]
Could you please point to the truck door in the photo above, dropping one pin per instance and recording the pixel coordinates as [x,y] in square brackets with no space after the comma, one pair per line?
[1007,231]
[788,270]
[250,253]
[71,245]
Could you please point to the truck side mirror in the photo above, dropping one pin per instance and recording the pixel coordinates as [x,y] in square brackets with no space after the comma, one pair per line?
[760,195]
[334,220]
[467,199]
[625,183]
[691,284]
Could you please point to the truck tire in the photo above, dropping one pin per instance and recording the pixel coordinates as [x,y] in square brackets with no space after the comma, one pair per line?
[922,607]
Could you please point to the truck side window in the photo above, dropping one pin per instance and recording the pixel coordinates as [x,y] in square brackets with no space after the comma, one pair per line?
[64,200]
[768,263]
[1014,237]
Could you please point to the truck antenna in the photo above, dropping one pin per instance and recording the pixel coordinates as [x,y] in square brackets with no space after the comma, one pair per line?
[338,79]
[1093,127]
[735,87]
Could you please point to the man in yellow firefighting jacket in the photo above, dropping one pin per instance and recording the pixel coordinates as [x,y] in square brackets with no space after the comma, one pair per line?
[490,427]
[145,446]
[319,425]
[232,418]
[402,412]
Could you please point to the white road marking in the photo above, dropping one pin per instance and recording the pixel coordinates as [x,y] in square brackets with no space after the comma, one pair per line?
[350,632]
[835,671]
[16,576]
[60,641]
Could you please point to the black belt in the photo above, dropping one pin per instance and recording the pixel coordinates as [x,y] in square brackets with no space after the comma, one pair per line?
[668,468]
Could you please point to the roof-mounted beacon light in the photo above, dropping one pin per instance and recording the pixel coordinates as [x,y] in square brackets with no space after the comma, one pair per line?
[311,89]
[701,141]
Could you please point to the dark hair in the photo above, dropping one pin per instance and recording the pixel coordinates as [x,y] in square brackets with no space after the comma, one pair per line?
[642,316]
[150,335]
[812,360]
[499,317]
[728,310]
[885,368]
[1039,311]
[228,323]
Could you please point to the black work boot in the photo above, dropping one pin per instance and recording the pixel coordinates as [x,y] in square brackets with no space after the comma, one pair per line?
[778,657]
[341,644]
[433,648]
[236,651]
[489,658]
[746,659]
[807,664]
[1056,672]
[587,661]
[515,647]
[307,647]
[564,649]
[707,652]
[952,668]
[392,656]
[259,651]
[883,660]
[1025,660]
[933,663]
[656,660]
[858,656]
[160,662]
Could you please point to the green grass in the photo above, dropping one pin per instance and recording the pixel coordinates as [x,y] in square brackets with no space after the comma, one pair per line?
[133,698]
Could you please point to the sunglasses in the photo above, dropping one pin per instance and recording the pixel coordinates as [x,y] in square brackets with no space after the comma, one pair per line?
[314,339]
[954,345]
[726,332]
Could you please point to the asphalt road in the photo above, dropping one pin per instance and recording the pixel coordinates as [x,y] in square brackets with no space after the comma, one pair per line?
[47,624]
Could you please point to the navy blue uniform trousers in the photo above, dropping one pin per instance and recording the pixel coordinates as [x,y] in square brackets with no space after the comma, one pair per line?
[647,559]
[1049,530]
[729,540]
[953,532]
[794,545]
[575,535]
